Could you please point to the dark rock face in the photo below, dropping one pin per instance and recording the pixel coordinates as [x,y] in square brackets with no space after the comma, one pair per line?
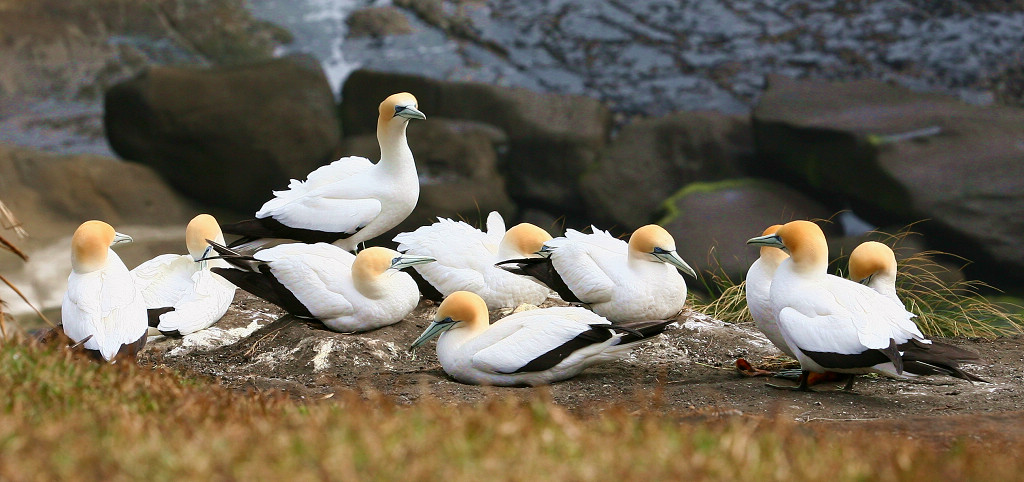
[724,215]
[377,22]
[898,156]
[226,136]
[652,158]
[457,163]
[552,139]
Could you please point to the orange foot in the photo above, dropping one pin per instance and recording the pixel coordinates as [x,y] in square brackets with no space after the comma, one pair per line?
[748,370]
[815,378]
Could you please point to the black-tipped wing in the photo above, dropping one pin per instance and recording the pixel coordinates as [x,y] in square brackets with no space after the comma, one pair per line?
[264,284]
[257,228]
[542,270]
[937,359]
[154,314]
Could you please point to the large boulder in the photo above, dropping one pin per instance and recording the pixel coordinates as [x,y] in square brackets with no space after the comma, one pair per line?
[226,136]
[457,163]
[652,158]
[52,194]
[711,222]
[898,157]
[552,139]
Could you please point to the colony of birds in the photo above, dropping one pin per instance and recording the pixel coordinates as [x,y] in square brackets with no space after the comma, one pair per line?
[619,293]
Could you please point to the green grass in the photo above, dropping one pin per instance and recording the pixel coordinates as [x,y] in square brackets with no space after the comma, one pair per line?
[71,419]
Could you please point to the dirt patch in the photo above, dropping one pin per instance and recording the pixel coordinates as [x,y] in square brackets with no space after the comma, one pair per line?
[688,368]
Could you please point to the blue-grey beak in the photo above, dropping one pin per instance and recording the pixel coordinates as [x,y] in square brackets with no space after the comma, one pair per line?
[772,240]
[121,238]
[435,329]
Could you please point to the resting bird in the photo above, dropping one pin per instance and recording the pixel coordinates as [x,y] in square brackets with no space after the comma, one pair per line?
[348,293]
[758,284]
[834,324]
[102,306]
[873,264]
[350,200]
[181,293]
[619,281]
[533,347]
[466,259]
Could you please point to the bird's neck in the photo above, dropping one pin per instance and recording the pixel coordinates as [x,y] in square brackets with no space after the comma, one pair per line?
[394,148]
[372,286]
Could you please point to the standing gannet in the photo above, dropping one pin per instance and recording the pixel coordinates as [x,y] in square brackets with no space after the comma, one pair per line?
[181,293]
[348,293]
[533,347]
[466,259]
[619,281]
[831,323]
[102,304]
[757,286]
[350,200]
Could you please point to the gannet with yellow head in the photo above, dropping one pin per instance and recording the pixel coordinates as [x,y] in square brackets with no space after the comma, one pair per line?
[831,323]
[621,281]
[350,200]
[528,348]
[466,259]
[758,285]
[873,264]
[348,293]
[102,304]
[181,293]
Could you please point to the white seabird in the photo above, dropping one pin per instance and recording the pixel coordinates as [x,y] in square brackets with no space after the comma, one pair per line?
[620,281]
[873,264]
[350,200]
[466,259]
[181,293]
[834,324]
[533,347]
[102,305]
[347,293]
[757,288]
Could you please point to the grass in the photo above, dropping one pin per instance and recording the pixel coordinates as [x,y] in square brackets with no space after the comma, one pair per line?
[944,308]
[70,419]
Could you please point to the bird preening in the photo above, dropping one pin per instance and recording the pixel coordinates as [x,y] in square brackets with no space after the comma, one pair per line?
[516,306]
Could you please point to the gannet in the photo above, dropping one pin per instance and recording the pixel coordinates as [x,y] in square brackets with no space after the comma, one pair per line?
[181,293]
[532,347]
[102,305]
[350,200]
[620,281]
[757,286]
[834,324]
[348,293]
[466,259]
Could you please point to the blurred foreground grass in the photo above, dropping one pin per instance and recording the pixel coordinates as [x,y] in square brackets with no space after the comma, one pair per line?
[71,419]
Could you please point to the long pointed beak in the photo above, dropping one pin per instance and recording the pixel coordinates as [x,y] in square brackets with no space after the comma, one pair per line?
[435,329]
[545,251]
[407,260]
[672,258]
[866,281]
[121,238]
[411,113]
[772,240]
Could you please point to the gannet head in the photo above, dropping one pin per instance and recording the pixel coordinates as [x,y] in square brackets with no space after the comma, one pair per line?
[371,263]
[460,310]
[653,243]
[872,258]
[804,241]
[522,240]
[772,253]
[396,111]
[199,229]
[90,243]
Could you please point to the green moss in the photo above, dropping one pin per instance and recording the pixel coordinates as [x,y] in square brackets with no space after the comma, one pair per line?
[669,211]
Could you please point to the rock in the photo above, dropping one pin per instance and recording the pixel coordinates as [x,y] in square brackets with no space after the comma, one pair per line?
[899,157]
[52,194]
[652,158]
[377,22]
[552,139]
[457,163]
[711,222]
[226,136]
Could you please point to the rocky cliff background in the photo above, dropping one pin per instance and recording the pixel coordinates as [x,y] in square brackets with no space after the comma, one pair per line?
[714,119]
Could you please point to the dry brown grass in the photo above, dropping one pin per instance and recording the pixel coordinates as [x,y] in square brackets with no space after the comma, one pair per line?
[70,419]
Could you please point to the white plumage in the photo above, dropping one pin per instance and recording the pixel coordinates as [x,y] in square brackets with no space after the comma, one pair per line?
[466,259]
[758,285]
[199,298]
[351,200]
[532,347]
[102,302]
[348,293]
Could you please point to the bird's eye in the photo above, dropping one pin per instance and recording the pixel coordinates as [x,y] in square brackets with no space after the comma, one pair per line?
[399,109]
[658,250]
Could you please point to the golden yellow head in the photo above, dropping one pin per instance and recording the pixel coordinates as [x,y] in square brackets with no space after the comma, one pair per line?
[401,106]
[199,229]
[89,246]
[645,239]
[805,242]
[871,257]
[525,239]
[463,306]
